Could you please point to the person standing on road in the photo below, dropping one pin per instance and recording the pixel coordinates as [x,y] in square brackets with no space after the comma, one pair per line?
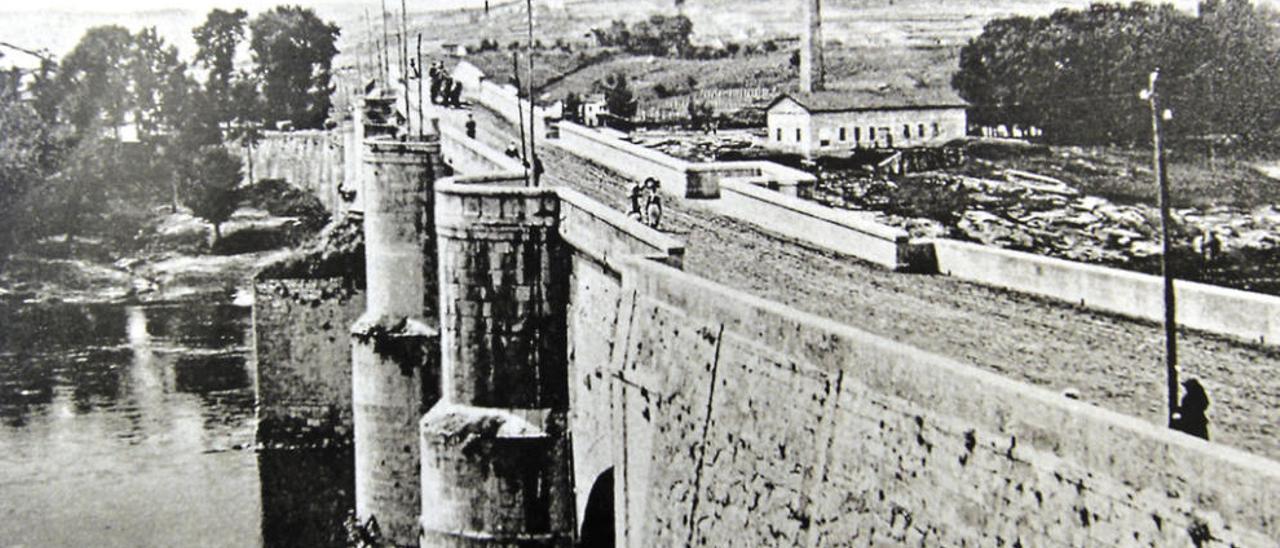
[1190,416]
[537,170]
[471,126]
[634,193]
[652,203]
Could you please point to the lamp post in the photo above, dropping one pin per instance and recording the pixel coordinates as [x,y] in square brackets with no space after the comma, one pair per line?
[1152,95]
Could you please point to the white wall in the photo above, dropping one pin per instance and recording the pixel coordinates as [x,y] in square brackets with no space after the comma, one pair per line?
[862,129]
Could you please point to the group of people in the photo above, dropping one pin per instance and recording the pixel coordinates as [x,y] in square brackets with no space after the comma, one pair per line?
[444,89]
[646,205]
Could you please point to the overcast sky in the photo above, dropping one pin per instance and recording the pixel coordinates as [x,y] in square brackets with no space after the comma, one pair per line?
[122,6]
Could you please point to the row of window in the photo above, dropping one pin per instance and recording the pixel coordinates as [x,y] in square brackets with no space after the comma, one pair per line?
[871,133]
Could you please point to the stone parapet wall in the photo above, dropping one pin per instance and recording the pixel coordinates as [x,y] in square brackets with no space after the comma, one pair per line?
[834,230]
[315,161]
[734,420]
[1249,316]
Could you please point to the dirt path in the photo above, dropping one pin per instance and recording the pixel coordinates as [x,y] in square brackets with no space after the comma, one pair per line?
[1113,362]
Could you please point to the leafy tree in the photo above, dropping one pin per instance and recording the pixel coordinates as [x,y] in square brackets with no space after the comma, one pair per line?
[294,51]
[93,81]
[212,178]
[618,97]
[216,42]
[153,68]
[1075,73]
[573,107]
[24,142]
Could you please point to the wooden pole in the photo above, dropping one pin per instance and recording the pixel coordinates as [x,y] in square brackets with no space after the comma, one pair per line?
[1170,307]
[533,128]
[515,69]
[421,109]
[386,47]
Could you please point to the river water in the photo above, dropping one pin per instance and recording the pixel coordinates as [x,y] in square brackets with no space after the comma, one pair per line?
[132,425]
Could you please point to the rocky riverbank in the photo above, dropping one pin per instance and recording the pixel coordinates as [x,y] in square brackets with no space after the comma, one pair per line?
[174,261]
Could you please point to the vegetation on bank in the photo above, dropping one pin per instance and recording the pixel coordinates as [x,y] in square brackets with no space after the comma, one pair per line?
[92,143]
[1076,74]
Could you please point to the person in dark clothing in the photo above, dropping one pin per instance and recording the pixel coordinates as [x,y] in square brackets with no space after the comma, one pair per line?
[537,170]
[634,192]
[435,84]
[455,94]
[1190,416]
[471,127]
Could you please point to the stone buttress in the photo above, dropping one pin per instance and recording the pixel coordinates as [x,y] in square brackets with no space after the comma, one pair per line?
[496,465]
[394,345]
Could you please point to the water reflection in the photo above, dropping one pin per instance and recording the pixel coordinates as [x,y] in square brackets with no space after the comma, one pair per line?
[126,426]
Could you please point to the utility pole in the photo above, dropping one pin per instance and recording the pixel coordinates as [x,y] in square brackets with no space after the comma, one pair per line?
[386,48]
[404,69]
[515,70]
[1158,115]
[421,109]
[532,159]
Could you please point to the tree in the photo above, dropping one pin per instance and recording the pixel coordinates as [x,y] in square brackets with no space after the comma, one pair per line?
[618,97]
[294,51]
[216,42]
[573,107]
[93,81]
[1073,73]
[24,144]
[152,68]
[212,178]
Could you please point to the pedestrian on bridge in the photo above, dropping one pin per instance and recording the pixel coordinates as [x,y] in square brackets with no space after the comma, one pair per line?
[1190,416]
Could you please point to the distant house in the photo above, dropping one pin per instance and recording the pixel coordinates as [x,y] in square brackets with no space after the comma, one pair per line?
[831,122]
[593,107]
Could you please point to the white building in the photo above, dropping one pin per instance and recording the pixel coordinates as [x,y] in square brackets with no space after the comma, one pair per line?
[833,122]
[592,107]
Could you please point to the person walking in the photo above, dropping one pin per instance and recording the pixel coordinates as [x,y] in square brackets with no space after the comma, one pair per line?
[471,126]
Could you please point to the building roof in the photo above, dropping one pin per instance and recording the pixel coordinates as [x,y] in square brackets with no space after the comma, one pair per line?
[864,100]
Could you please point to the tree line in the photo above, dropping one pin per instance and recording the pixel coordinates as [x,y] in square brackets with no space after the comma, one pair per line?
[1076,74]
[66,163]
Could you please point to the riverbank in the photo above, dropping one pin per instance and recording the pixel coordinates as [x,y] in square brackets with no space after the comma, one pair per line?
[173,260]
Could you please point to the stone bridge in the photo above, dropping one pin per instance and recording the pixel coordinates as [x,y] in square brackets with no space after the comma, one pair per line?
[533,368]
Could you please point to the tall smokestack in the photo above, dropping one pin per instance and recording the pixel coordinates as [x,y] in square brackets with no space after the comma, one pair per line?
[811,69]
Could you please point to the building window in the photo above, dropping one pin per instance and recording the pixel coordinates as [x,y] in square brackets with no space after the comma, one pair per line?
[842,135]
[857,134]
[935,129]
[871,133]
[797,135]
[906,131]
[779,139]
[920,130]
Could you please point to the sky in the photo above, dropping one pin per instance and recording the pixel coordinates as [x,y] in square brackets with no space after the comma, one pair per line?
[124,6]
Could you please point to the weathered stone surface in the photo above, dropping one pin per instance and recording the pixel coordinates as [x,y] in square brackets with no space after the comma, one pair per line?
[303,355]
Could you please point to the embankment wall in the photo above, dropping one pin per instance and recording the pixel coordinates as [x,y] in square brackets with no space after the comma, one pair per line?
[303,351]
[727,419]
[1249,316]
[312,160]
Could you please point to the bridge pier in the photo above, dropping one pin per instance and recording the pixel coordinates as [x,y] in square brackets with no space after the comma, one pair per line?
[394,361]
[495,449]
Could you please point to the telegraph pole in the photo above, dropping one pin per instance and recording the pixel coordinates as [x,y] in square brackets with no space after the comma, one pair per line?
[1158,115]
[531,160]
